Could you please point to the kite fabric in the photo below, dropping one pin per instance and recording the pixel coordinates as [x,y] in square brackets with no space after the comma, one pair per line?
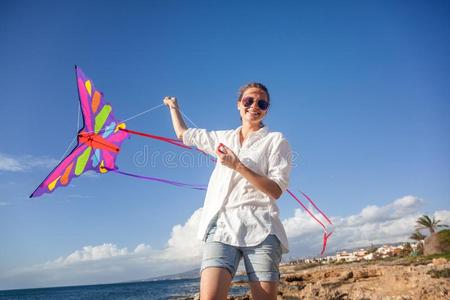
[99,139]
[99,142]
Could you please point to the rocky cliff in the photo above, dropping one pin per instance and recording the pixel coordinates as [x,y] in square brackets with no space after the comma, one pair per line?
[399,279]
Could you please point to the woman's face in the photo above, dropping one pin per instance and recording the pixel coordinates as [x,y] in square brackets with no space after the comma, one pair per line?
[253,113]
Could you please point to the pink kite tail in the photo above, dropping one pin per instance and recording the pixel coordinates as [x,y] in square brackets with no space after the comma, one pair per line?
[325,239]
[317,208]
[157,137]
[204,153]
[325,234]
[306,209]
[167,140]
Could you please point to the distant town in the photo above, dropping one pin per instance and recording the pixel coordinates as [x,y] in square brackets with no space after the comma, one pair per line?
[368,253]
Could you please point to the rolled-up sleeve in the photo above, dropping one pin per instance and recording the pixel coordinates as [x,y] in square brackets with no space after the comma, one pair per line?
[202,139]
[280,164]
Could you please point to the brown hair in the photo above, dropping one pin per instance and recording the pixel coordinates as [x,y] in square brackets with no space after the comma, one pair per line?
[257,85]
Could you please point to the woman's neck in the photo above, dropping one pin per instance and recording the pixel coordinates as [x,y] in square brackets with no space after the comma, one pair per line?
[247,129]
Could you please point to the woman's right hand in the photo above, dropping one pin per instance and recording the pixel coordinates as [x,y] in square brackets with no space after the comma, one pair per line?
[171,102]
[177,120]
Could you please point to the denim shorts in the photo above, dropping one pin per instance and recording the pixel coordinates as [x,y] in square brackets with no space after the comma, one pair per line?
[261,261]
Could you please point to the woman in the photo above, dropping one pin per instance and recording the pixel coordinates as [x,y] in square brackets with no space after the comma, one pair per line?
[240,216]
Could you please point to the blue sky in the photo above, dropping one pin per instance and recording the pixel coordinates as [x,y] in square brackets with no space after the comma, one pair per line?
[359,88]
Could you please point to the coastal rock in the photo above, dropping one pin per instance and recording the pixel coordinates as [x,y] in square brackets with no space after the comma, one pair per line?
[364,281]
[439,261]
[387,280]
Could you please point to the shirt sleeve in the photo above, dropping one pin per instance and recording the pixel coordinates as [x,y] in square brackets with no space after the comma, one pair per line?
[204,140]
[280,164]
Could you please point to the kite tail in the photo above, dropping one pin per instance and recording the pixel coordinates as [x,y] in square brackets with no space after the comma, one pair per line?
[317,208]
[157,137]
[167,140]
[326,235]
[204,153]
[325,239]
[200,187]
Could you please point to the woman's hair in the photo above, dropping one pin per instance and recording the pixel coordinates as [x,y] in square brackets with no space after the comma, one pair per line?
[258,85]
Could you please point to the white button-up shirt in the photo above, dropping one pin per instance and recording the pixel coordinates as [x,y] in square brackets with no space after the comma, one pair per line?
[245,215]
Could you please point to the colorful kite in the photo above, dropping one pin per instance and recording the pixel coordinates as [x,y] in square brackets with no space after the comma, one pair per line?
[99,142]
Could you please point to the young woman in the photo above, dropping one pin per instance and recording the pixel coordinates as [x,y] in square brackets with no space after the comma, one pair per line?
[240,217]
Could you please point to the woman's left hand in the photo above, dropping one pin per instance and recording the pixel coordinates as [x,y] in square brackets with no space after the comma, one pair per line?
[227,157]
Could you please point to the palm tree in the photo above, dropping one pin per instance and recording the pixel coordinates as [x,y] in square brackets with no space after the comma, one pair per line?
[425,222]
[417,236]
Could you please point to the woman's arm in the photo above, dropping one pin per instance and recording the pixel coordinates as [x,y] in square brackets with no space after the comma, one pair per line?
[201,138]
[262,183]
[177,120]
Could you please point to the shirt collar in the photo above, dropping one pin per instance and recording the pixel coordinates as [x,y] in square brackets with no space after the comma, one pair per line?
[260,133]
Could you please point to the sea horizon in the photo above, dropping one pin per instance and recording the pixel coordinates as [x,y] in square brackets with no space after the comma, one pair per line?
[186,275]
[147,289]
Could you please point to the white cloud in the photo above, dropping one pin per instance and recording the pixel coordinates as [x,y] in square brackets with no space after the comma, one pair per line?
[24,163]
[108,262]
[393,222]
[111,263]
[142,248]
[391,211]
[183,243]
[444,216]
[91,253]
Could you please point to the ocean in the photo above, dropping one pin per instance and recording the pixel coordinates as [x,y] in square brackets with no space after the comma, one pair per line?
[158,290]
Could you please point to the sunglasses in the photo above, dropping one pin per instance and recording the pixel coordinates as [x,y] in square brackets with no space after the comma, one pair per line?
[262,104]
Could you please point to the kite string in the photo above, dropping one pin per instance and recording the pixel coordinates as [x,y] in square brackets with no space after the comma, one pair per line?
[171,182]
[165,139]
[135,116]
[144,112]
[169,140]
[158,106]
[189,119]
[199,150]
[128,119]
[67,149]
